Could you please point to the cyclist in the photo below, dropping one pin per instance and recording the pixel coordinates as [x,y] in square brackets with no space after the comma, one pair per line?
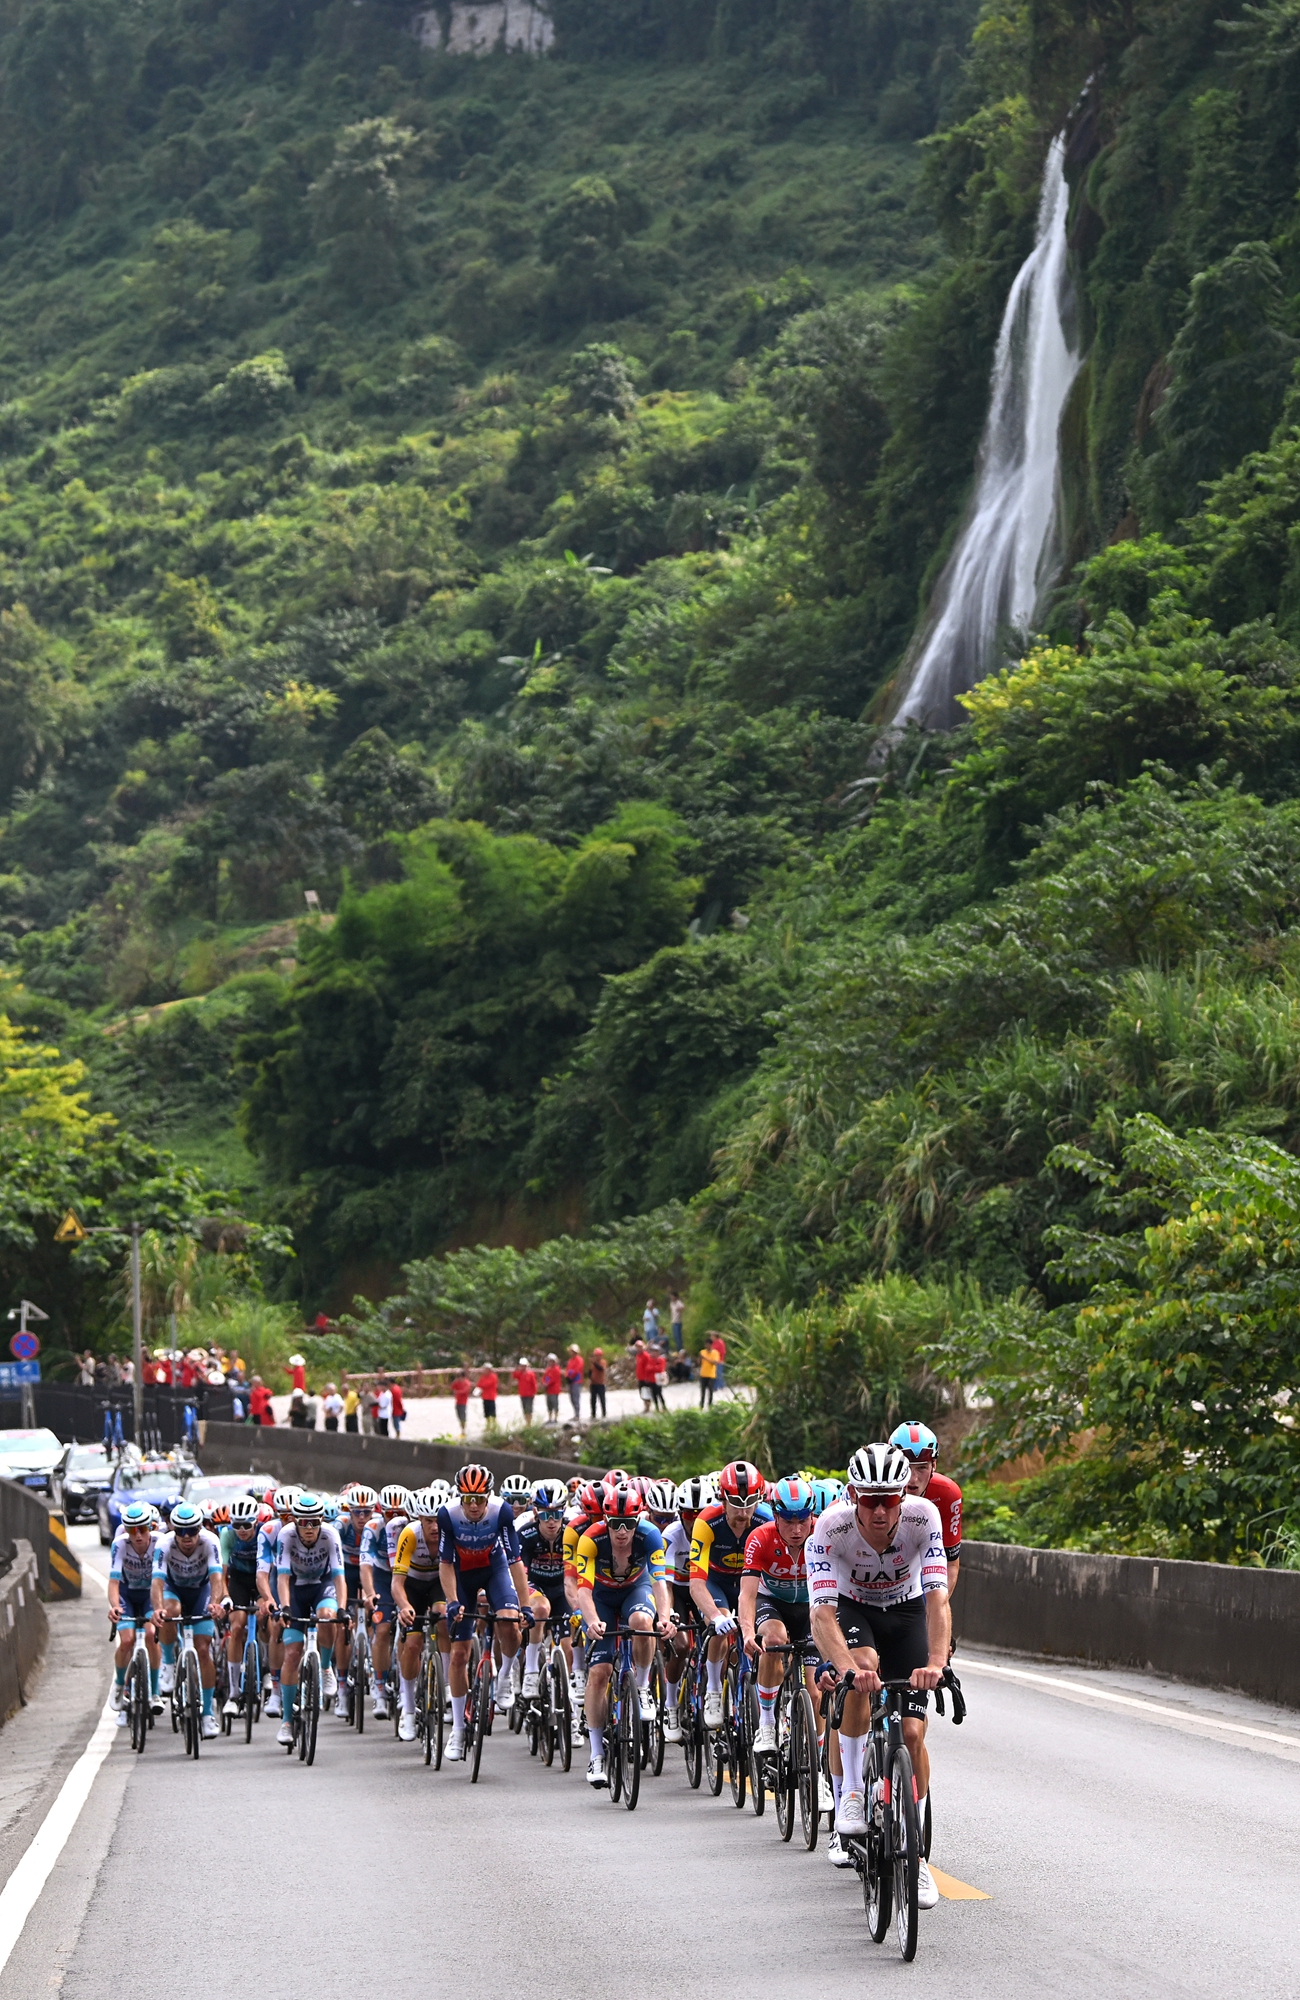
[688,1499]
[377,1543]
[921,1447]
[878,1585]
[359,1504]
[620,1567]
[417,1589]
[282,1500]
[309,1577]
[722,1529]
[186,1576]
[238,1543]
[773,1603]
[130,1577]
[479,1551]
[541,1545]
[586,1505]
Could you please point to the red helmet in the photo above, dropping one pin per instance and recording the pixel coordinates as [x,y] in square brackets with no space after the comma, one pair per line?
[591,1499]
[741,1481]
[623,1504]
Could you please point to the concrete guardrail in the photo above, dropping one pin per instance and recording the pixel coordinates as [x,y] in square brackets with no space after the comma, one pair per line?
[24,1627]
[1209,1623]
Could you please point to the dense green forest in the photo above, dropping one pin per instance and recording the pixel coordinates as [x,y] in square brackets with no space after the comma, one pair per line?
[495,495]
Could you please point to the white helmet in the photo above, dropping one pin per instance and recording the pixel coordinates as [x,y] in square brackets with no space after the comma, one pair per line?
[359,1496]
[427,1503]
[694,1493]
[517,1489]
[396,1497]
[283,1498]
[879,1468]
[659,1496]
[243,1508]
[442,1492]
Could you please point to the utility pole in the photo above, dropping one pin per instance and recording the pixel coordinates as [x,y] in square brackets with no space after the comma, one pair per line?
[137,1340]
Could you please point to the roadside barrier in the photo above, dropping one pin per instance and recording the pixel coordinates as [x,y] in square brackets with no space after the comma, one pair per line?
[23,1626]
[65,1567]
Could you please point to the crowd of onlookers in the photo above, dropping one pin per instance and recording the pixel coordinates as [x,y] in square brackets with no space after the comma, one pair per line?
[376,1406]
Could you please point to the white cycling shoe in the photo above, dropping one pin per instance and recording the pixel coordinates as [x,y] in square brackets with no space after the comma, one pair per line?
[271,1706]
[380,1709]
[596,1774]
[532,1682]
[505,1696]
[230,1706]
[713,1711]
[116,1697]
[837,1854]
[926,1893]
[765,1740]
[852,1815]
[825,1794]
[341,1706]
[284,1734]
[166,1678]
[406,1727]
[672,1727]
[329,1683]
[122,1718]
[210,1726]
[455,1751]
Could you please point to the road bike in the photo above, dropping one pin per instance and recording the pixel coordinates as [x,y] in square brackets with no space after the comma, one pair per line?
[307,1707]
[431,1694]
[359,1679]
[690,1707]
[653,1700]
[792,1770]
[251,1667]
[623,1723]
[732,1743]
[137,1697]
[187,1689]
[552,1714]
[480,1703]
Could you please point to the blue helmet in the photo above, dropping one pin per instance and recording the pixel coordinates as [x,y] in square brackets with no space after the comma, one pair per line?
[792,1499]
[137,1514]
[917,1440]
[309,1507]
[550,1496]
[331,1511]
[187,1519]
[827,1493]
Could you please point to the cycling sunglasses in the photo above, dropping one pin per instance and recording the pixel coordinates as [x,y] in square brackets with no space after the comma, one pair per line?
[622,1527]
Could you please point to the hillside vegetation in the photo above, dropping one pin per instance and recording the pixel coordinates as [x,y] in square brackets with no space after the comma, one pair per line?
[496,496]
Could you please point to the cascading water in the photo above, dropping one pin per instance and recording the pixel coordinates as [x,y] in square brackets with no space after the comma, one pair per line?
[1007,553]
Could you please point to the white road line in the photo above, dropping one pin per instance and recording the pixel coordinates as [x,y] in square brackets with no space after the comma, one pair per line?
[1163,1711]
[97,1577]
[18,1897]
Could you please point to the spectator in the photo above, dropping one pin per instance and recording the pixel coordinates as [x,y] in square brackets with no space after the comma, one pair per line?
[86,1369]
[259,1402]
[368,1400]
[128,1374]
[309,1410]
[676,1314]
[101,1375]
[552,1383]
[351,1404]
[297,1371]
[487,1388]
[646,1369]
[597,1372]
[399,1410]
[573,1376]
[333,1407]
[461,1391]
[720,1347]
[708,1372]
[660,1378]
[526,1387]
[650,1321]
[383,1409]
[298,1410]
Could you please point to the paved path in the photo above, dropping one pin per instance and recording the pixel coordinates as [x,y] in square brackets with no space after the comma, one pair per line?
[1131,1841]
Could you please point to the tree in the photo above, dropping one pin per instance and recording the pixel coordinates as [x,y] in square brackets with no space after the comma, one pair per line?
[356,206]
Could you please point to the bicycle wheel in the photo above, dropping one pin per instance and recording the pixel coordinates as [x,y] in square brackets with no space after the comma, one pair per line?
[759,1767]
[927,1827]
[251,1678]
[655,1699]
[906,1845]
[547,1720]
[309,1700]
[688,1716]
[360,1676]
[613,1743]
[438,1714]
[193,1705]
[629,1731]
[733,1735]
[877,1876]
[563,1713]
[136,1698]
[482,1713]
[806,1771]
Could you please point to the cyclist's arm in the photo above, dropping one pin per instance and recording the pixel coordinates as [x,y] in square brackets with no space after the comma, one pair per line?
[747,1607]
[340,1589]
[584,1567]
[938,1632]
[954,1568]
[114,1596]
[283,1578]
[663,1599]
[519,1578]
[447,1578]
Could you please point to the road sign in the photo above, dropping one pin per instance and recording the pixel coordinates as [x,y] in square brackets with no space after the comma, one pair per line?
[24,1347]
[70,1230]
[14,1373]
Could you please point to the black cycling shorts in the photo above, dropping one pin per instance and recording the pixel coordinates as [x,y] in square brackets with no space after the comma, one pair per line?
[422,1594]
[897,1635]
[243,1588]
[797,1619]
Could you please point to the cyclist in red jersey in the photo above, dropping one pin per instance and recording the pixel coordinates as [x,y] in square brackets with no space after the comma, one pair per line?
[921,1447]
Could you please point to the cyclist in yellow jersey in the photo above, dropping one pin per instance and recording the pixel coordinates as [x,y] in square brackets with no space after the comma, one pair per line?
[417,1589]
[620,1581]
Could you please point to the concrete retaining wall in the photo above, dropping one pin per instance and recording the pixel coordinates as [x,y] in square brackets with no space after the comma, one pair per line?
[330,1458]
[24,1628]
[1207,1623]
[24,1516]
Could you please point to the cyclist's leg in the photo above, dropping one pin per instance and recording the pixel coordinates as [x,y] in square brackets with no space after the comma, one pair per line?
[771,1629]
[608,1605]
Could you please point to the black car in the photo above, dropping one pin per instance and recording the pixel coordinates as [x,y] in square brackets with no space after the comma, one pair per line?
[81,1475]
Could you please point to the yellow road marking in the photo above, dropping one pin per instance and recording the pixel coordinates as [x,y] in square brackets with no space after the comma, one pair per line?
[955,1891]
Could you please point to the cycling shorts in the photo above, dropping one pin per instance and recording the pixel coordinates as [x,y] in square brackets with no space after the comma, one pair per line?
[135,1607]
[723,1590]
[385,1607]
[615,1607]
[553,1591]
[797,1619]
[305,1598]
[193,1599]
[898,1635]
[684,1605]
[243,1589]
[497,1586]
[423,1593]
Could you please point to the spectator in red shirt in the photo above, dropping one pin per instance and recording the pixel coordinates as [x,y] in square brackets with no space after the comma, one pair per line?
[297,1371]
[259,1402]
[573,1376]
[646,1370]
[461,1391]
[487,1388]
[399,1410]
[525,1387]
[552,1383]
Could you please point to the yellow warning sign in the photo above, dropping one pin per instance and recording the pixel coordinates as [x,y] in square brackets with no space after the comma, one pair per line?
[70,1229]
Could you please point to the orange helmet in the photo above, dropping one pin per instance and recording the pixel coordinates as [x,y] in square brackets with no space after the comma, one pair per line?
[472,1479]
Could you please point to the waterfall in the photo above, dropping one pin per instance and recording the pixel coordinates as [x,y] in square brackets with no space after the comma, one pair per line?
[1007,553]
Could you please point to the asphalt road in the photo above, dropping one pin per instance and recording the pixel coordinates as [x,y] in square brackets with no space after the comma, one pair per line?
[1129,1837]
